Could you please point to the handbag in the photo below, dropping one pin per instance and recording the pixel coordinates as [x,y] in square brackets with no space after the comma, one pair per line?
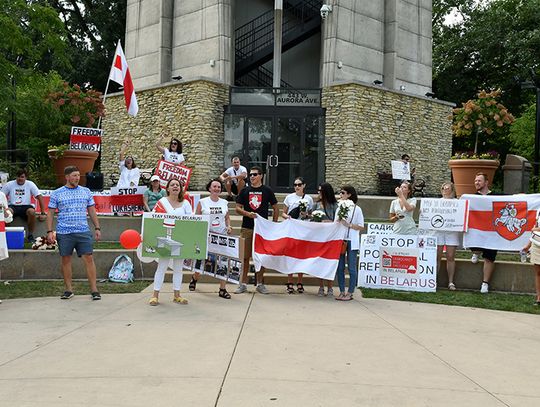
[344,244]
[295,213]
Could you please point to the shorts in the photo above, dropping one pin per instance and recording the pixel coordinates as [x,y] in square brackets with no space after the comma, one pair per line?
[535,254]
[234,188]
[247,234]
[20,211]
[448,238]
[488,254]
[83,243]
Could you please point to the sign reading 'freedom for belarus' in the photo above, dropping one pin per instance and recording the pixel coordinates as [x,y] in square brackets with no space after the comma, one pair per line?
[85,138]
[450,215]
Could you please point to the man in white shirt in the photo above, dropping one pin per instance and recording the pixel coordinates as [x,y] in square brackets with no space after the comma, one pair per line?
[234,178]
[19,193]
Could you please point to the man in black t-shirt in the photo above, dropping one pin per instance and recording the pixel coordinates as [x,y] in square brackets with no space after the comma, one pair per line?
[481,184]
[254,200]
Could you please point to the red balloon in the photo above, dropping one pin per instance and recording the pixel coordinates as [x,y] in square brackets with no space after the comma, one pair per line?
[130,239]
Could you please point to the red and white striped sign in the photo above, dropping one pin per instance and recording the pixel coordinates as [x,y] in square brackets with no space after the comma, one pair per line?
[85,138]
[296,246]
[500,222]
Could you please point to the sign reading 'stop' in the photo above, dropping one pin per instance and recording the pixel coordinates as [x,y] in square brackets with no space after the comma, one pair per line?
[85,138]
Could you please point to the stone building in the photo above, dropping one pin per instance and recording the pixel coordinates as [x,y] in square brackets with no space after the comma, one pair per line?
[352,95]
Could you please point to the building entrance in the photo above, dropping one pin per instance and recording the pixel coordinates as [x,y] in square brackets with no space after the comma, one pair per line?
[286,141]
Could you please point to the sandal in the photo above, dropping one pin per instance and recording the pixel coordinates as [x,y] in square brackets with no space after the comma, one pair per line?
[224,294]
[153,301]
[192,284]
[300,288]
[347,297]
[340,297]
[290,288]
[180,300]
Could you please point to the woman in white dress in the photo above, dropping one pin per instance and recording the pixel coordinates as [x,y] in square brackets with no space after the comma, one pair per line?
[173,154]
[220,222]
[449,239]
[291,210]
[129,173]
[174,203]
[402,209]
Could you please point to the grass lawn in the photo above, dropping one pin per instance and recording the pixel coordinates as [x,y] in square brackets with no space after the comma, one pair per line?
[473,299]
[30,289]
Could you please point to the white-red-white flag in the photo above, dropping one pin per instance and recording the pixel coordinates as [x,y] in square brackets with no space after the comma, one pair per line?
[120,74]
[500,222]
[296,246]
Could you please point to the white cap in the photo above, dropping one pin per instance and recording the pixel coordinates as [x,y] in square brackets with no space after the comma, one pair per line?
[154,178]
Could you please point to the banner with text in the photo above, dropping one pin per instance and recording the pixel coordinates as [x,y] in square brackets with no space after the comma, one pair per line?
[450,215]
[401,170]
[380,228]
[85,138]
[398,262]
[166,171]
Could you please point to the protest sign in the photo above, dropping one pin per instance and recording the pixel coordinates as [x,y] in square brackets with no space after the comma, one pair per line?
[220,267]
[85,138]
[380,228]
[450,215]
[401,170]
[399,252]
[166,171]
[176,237]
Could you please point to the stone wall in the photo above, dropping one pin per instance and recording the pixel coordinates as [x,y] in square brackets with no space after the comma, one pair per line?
[368,126]
[190,111]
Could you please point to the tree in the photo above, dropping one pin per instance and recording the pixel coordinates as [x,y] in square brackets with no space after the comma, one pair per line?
[494,42]
[93,28]
[522,133]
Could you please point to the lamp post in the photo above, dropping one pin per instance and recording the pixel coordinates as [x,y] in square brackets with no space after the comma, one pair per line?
[535,84]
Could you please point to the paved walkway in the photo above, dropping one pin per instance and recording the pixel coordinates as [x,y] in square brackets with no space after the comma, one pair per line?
[255,350]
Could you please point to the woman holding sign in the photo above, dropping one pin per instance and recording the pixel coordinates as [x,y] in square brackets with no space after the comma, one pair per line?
[173,154]
[220,222]
[449,239]
[129,173]
[402,209]
[174,204]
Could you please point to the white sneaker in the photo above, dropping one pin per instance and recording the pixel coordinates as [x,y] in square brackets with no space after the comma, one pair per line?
[485,288]
[330,292]
[262,289]
[242,288]
[474,258]
[321,292]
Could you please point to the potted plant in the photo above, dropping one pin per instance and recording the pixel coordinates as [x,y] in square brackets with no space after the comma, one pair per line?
[77,107]
[484,115]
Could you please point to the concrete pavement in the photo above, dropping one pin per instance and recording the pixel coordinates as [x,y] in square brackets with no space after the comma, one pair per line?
[255,350]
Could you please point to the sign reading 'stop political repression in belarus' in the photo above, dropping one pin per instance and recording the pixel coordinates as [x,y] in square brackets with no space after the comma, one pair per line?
[450,215]
[85,138]
[398,262]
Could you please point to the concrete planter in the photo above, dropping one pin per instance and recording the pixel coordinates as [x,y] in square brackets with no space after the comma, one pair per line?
[464,171]
[84,160]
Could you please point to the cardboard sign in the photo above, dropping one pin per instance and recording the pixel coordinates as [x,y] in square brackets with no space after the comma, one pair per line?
[401,170]
[380,228]
[410,262]
[449,215]
[85,138]
[166,171]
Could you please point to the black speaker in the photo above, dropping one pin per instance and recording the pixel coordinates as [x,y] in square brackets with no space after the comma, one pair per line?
[94,181]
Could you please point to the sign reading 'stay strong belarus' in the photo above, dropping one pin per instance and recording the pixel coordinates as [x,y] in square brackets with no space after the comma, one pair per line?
[500,222]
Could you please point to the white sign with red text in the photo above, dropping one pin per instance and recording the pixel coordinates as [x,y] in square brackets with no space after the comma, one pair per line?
[85,138]
[410,262]
[166,171]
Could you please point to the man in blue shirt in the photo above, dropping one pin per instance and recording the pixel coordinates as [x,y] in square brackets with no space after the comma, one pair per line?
[72,232]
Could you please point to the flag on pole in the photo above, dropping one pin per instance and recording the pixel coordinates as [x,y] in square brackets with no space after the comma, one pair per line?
[500,222]
[296,246]
[120,74]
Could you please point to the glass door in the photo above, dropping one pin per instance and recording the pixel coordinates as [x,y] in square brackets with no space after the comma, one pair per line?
[258,143]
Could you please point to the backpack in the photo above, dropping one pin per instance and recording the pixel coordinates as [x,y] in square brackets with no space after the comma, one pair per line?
[121,270]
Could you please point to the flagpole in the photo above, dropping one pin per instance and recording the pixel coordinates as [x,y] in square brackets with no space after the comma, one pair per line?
[108,80]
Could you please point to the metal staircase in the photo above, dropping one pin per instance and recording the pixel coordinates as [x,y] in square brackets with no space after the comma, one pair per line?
[254,41]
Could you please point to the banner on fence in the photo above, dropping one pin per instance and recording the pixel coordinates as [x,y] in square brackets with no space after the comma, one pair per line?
[450,215]
[399,262]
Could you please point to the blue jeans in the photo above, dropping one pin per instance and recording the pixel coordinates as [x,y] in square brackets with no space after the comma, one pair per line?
[353,269]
